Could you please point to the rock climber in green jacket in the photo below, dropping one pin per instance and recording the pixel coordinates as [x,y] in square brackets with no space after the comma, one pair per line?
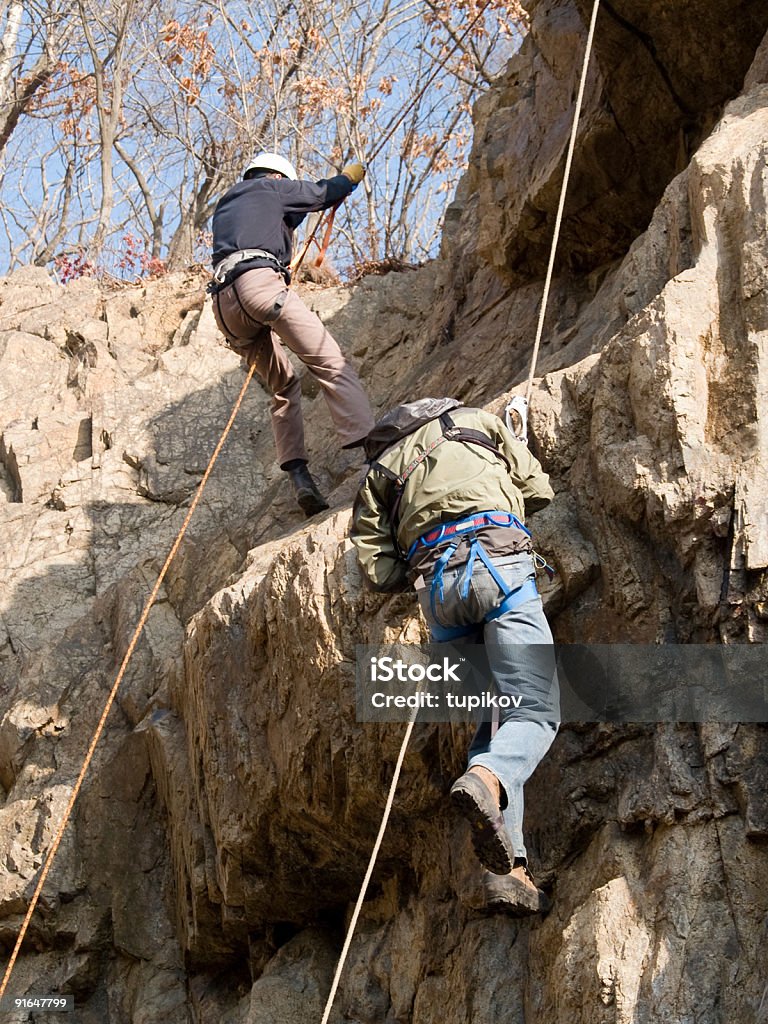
[443,505]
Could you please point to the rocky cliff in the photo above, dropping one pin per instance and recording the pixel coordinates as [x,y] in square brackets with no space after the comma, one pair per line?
[225,826]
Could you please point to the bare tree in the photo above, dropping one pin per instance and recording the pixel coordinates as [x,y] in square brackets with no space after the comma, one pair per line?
[106,31]
[142,112]
[33,37]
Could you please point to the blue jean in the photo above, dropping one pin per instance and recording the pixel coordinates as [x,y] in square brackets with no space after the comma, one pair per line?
[521,661]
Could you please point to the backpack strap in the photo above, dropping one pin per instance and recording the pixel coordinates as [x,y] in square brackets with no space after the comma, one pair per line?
[468,434]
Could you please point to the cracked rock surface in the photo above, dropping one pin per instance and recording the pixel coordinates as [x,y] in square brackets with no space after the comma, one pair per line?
[223,831]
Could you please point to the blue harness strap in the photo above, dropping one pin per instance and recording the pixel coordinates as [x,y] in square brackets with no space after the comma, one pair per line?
[437,578]
[526,592]
[468,526]
[445,634]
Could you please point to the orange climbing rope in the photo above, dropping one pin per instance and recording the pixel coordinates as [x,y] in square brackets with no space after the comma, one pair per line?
[113,692]
[318,260]
[327,219]
[137,633]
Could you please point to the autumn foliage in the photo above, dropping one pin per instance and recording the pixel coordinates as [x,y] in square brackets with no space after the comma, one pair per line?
[136,116]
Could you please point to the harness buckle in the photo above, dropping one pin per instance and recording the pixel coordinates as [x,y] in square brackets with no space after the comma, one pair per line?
[222,269]
[540,562]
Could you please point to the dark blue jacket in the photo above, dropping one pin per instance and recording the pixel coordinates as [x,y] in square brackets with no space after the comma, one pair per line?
[262,213]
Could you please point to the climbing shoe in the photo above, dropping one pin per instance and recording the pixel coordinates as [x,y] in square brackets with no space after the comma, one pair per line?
[476,796]
[307,494]
[515,893]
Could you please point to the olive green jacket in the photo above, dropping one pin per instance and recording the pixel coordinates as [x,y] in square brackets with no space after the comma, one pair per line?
[457,479]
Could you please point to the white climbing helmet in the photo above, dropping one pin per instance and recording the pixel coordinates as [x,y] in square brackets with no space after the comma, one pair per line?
[271,162]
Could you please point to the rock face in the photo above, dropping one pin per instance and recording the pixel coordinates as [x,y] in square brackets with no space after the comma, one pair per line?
[224,828]
[650,101]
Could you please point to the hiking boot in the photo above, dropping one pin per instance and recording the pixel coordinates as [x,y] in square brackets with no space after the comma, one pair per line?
[515,893]
[476,795]
[307,494]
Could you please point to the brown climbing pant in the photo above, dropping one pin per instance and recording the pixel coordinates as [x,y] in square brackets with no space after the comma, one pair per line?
[255,313]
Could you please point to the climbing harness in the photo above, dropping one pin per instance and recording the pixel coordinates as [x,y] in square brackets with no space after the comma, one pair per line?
[225,266]
[467,527]
[514,405]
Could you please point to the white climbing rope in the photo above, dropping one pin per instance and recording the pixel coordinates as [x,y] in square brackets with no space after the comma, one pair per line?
[517,406]
[563,191]
[522,407]
[371,864]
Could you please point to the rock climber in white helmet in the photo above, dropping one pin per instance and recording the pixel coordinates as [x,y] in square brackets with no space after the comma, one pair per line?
[253,227]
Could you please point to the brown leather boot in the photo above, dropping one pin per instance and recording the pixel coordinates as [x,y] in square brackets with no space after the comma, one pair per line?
[515,893]
[489,780]
[476,796]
